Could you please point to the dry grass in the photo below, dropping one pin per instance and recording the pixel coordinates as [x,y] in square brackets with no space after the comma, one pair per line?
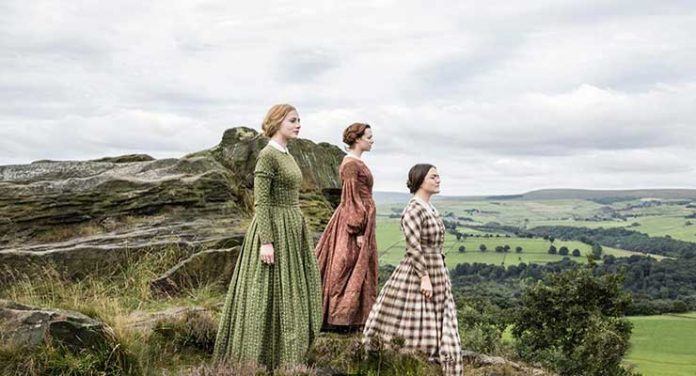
[112,299]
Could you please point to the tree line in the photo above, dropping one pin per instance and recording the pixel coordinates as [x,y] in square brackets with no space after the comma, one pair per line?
[667,286]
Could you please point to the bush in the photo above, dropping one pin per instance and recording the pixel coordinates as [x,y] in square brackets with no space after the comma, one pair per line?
[50,359]
[195,330]
[573,322]
[481,325]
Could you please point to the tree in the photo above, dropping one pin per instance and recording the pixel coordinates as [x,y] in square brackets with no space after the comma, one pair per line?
[499,249]
[576,252]
[506,248]
[518,249]
[573,322]
[462,249]
[482,248]
[563,251]
[551,239]
[552,250]
[596,251]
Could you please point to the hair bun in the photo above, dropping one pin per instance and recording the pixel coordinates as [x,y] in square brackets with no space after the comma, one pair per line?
[353,132]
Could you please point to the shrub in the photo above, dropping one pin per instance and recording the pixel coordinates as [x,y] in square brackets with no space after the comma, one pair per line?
[573,322]
[194,330]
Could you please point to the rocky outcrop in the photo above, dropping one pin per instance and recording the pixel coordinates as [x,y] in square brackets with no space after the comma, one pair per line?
[25,326]
[212,266]
[85,215]
[486,365]
[38,197]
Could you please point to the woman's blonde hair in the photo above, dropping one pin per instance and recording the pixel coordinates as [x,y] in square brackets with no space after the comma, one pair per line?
[274,118]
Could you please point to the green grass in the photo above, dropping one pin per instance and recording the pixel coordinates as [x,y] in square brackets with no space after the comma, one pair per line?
[392,247]
[112,299]
[664,345]
[674,226]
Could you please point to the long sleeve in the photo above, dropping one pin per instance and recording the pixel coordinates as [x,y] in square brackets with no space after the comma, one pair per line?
[351,202]
[411,224]
[263,182]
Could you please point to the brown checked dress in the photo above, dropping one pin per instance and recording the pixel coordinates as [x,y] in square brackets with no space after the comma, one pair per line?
[348,271]
[401,310]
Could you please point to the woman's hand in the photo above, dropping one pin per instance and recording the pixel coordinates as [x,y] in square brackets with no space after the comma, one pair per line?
[360,240]
[267,253]
[426,287]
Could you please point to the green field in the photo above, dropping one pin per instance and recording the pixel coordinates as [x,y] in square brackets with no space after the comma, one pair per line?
[664,345]
[667,218]
[392,246]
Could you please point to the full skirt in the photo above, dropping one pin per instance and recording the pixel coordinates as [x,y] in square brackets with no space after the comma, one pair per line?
[272,313]
[428,326]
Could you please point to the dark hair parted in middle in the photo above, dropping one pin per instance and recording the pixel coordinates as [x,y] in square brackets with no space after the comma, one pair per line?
[354,132]
[416,175]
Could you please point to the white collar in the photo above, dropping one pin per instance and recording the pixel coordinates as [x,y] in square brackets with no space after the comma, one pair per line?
[353,156]
[278,146]
[428,206]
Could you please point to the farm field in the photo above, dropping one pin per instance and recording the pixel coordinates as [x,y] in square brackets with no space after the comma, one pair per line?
[665,219]
[392,246]
[663,345]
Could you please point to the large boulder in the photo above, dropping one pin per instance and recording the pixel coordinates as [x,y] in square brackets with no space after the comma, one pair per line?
[212,266]
[25,326]
[36,198]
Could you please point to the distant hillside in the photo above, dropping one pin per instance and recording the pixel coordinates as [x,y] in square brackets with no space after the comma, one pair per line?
[382,198]
[587,194]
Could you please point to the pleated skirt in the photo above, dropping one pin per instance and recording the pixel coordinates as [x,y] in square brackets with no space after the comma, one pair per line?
[272,313]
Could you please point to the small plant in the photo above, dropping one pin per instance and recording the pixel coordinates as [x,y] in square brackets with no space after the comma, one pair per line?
[195,330]
[50,359]
[348,355]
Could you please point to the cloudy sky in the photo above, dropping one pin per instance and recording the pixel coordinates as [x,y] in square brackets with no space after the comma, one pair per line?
[503,96]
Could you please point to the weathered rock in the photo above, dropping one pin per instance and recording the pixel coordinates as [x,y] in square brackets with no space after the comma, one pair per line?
[487,365]
[37,197]
[239,147]
[83,215]
[100,254]
[126,158]
[212,266]
[22,326]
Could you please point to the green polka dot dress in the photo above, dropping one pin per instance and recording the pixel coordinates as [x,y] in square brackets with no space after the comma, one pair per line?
[273,312]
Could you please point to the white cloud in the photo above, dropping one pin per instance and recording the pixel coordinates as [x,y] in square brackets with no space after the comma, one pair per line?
[502,96]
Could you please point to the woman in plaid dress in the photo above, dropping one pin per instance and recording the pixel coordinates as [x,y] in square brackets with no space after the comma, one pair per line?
[416,303]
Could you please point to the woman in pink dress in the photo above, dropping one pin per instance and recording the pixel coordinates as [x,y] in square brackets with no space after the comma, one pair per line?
[347,250]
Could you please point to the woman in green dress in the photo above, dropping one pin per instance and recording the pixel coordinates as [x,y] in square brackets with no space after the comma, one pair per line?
[273,307]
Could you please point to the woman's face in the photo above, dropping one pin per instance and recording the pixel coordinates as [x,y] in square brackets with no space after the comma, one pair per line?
[290,126]
[365,142]
[431,183]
